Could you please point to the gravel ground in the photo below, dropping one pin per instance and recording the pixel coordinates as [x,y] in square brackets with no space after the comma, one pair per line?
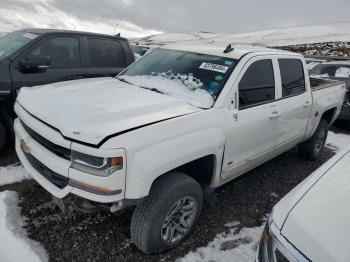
[105,237]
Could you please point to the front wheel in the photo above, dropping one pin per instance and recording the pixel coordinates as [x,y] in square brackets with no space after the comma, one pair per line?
[6,133]
[313,148]
[167,215]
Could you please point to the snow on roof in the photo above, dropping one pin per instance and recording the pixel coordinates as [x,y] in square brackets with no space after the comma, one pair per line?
[213,48]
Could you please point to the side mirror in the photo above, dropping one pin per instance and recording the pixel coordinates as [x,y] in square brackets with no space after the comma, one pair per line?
[35,64]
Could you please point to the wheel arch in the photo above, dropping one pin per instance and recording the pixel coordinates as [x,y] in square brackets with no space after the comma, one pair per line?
[329,115]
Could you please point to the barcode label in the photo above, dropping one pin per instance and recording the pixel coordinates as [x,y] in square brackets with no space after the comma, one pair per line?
[214,67]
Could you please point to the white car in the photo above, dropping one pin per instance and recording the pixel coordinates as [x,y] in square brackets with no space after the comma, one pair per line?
[184,119]
[311,223]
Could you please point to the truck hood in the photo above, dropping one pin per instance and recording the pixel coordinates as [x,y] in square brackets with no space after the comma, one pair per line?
[317,213]
[89,110]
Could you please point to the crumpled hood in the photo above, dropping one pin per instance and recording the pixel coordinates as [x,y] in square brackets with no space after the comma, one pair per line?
[91,109]
[315,216]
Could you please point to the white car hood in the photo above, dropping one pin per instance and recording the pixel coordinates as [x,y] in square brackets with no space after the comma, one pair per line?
[91,109]
[317,213]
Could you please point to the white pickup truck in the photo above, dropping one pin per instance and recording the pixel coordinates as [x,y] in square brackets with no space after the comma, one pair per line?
[183,120]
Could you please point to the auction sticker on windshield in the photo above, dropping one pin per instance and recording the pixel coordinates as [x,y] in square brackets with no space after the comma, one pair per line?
[29,35]
[214,67]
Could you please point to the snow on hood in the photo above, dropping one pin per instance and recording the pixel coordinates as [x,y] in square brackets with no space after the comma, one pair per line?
[188,90]
[337,142]
[91,109]
[318,225]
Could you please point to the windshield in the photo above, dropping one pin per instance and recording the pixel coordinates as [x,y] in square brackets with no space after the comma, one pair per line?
[197,78]
[12,42]
[331,71]
[140,50]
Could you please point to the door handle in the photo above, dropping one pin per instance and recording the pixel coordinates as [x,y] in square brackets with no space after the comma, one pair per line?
[307,104]
[275,114]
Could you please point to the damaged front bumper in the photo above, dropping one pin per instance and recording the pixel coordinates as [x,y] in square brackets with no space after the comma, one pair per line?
[43,153]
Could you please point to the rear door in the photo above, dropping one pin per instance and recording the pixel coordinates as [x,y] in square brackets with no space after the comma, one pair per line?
[250,133]
[64,53]
[295,102]
[104,57]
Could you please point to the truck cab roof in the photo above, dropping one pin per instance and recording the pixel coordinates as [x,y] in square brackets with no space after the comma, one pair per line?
[217,49]
[42,31]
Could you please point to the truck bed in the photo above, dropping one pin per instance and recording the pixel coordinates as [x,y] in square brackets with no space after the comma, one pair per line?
[321,83]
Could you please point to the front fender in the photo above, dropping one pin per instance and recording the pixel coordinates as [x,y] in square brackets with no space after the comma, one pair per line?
[146,165]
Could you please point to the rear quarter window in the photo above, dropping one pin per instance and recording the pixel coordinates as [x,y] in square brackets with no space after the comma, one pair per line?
[105,53]
[292,76]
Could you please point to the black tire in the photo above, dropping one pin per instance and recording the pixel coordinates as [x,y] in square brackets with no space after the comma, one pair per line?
[6,133]
[149,218]
[3,135]
[313,148]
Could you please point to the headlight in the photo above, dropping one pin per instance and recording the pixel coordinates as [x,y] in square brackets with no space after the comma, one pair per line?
[274,247]
[98,166]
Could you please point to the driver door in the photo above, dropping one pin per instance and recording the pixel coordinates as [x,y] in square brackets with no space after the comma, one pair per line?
[64,54]
[251,127]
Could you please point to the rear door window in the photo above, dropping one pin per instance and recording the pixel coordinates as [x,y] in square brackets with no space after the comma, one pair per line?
[292,76]
[257,85]
[105,53]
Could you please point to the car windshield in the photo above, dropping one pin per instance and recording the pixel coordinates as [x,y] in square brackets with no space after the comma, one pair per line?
[323,70]
[140,50]
[12,42]
[196,78]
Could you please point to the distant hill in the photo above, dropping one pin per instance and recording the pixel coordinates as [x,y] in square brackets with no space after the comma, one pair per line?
[327,32]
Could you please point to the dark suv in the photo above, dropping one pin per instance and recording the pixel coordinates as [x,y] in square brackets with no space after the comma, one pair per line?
[34,57]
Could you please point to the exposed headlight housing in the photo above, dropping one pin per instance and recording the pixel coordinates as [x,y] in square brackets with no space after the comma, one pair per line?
[98,166]
[274,247]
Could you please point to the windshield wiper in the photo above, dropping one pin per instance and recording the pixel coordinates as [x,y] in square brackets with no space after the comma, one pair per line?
[154,90]
[151,89]
[125,81]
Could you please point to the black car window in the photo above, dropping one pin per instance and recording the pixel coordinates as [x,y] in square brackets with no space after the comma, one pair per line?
[292,76]
[258,84]
[331,70]
[62,51]
[105,53]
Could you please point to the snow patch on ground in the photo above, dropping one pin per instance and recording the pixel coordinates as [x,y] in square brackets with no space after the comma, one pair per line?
[12,174]
[337,142]
[197,97]
[238,245]
[14,244]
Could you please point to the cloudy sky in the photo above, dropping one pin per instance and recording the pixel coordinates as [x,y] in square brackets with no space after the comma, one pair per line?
[135,18]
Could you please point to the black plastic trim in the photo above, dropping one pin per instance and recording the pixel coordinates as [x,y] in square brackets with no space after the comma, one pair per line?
[56,179]
[56,149]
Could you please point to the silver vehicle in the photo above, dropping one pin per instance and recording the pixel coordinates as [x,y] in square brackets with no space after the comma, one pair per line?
[337,70]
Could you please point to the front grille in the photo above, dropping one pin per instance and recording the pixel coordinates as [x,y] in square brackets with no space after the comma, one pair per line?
[56,179]
[56,149]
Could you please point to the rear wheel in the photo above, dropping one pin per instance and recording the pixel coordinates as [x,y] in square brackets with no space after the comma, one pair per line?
[313,148]
[168,214]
